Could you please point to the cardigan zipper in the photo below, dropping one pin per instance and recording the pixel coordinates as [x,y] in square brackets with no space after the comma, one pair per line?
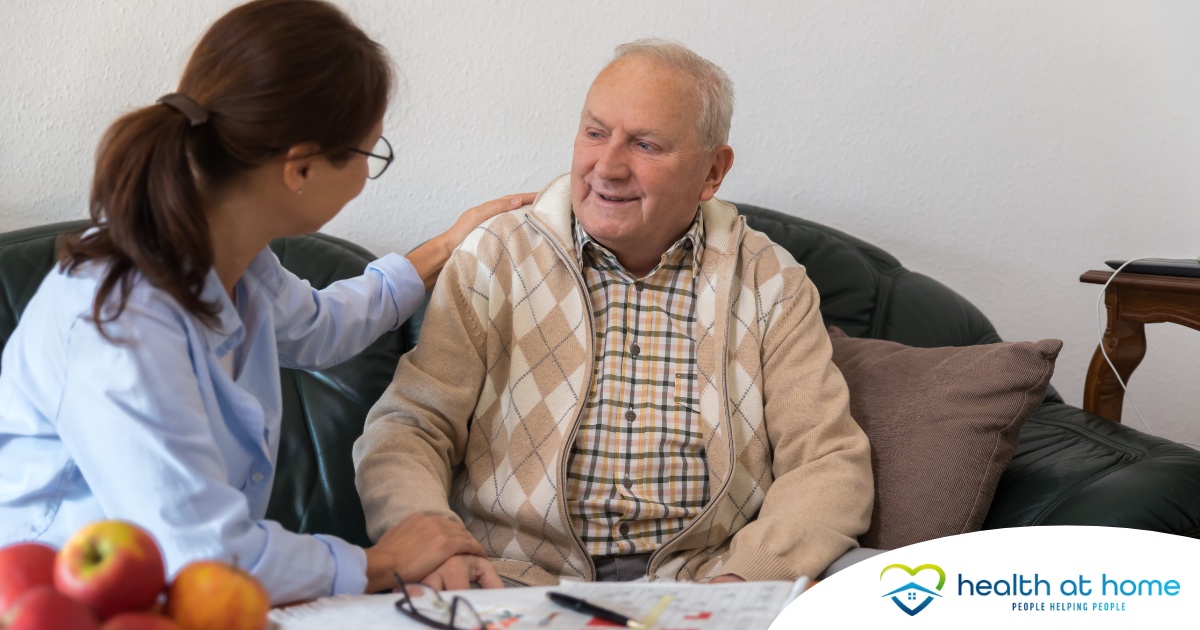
[650,566]
[566,452]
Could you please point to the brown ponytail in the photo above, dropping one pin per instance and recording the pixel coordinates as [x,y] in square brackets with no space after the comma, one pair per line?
[271,74]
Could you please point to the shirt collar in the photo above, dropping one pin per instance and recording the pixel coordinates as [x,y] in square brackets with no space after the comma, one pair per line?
[694,235]
[226,331]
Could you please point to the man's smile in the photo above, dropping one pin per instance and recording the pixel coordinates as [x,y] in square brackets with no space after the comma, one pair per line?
[614,198]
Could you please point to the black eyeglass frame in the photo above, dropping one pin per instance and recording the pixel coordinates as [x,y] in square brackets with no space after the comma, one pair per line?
[387,160]
[405,605]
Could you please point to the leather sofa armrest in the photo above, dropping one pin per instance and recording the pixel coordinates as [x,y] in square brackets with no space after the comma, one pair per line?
[1075,468]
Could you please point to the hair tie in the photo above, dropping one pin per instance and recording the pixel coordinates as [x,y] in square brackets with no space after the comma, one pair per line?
[186,106]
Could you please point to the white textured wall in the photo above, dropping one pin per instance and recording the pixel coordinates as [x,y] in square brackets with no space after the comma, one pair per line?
[1001,147]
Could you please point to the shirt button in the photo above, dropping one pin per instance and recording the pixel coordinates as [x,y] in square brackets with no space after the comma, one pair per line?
[630,415]
[628,483]
[624,529]
[635,350]
[639,286]
[256,477]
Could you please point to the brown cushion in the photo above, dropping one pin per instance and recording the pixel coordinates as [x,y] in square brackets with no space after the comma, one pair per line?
[943,424]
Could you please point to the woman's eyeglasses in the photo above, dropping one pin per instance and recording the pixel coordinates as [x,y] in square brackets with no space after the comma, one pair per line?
[456,614]
[378,159]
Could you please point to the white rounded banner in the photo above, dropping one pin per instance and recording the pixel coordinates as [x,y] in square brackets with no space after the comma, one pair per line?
[1023,577]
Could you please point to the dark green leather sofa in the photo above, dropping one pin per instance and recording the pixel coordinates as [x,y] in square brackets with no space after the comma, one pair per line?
[1070,468]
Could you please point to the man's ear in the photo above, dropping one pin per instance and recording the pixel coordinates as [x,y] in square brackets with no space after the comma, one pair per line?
[297,165]
[722,161]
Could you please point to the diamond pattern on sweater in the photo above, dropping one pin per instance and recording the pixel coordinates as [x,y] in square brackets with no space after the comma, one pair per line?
[523,305]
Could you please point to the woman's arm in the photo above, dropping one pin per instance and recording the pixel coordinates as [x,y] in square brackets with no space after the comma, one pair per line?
[318,329]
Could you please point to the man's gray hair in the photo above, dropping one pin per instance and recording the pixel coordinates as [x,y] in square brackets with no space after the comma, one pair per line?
[716,88]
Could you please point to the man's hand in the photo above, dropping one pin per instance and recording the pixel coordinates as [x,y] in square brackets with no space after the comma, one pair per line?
[726,578]
[415,547]
[459,572]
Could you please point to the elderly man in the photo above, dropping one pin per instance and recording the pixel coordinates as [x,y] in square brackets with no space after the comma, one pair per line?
[625,380]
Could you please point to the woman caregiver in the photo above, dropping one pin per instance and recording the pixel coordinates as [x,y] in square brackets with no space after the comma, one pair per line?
[143,380]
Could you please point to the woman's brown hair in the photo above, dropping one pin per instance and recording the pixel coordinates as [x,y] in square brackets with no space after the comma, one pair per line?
[272,74]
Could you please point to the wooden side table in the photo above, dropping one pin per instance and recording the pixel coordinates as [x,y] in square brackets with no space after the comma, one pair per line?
[1133,300]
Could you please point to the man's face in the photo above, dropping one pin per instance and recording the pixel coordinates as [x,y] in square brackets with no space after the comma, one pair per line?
[640,169]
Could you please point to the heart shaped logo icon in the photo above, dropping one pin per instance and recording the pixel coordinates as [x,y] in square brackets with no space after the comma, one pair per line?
[913,597]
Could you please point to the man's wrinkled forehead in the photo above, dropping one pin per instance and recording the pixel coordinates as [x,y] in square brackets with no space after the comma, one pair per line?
[645,85]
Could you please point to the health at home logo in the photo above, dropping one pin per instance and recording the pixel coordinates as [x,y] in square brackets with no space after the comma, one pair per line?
[1035,578]
[1105,593]
[914,596]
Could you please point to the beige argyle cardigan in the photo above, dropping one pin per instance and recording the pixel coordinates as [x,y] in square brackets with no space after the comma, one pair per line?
[485,409]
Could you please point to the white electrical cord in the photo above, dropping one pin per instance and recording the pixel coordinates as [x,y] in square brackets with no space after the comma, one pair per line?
[1100,334]
[1104,353]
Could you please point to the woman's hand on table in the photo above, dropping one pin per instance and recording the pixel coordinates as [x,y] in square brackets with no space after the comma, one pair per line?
[430,257]
[459,572]
[416,547]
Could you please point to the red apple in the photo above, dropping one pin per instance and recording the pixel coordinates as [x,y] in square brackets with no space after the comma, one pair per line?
[43,608]
[206,595]
[139,621]
[22,567]
[111,567]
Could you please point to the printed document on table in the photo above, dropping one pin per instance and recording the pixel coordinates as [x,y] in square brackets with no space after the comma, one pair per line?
[690,606]
[661,605]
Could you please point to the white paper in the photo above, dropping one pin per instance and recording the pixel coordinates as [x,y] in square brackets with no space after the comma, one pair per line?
[744,606]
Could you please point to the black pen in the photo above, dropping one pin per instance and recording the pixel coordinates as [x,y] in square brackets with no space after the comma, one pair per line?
[579,605]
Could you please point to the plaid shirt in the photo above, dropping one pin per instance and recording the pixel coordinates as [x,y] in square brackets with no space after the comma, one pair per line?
[637,474]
